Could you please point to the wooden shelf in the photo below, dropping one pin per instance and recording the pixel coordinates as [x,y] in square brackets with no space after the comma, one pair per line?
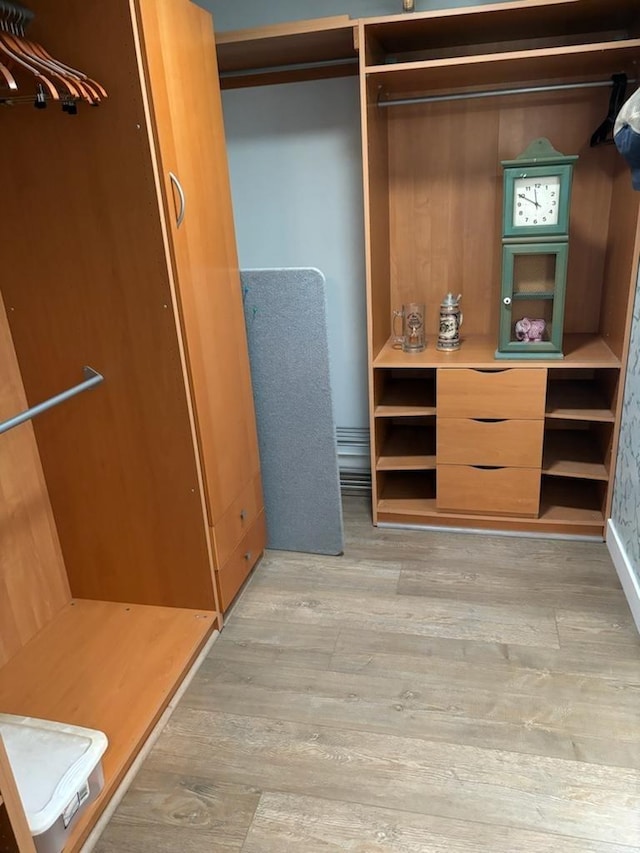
[505,69]
[570,502]
[580,351]
[578,400]
[287,52]
[499,22]
[407,397]
[408,448]
[573,453]
[106,666]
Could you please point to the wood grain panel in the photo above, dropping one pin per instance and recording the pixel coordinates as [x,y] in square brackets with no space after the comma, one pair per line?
[93,289]
[468,442]
[490,491]
[237,521]
[33,581]
[510,393]
[446,201]
[111,667]
[10,796]
[235,571]
[187,110]
[621,262]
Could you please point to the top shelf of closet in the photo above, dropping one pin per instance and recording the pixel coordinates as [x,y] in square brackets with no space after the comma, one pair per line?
[578,62]
[328,47]
[300,50]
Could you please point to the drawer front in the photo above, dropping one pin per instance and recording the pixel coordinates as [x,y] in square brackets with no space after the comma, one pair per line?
[488,491]
[516,444]
[237,520]
[235,570]
[511,393]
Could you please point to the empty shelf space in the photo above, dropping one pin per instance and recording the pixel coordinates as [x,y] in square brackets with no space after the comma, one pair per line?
[574,503]
[407,447]
[407,491]
[106,666]
[574,453]
[408,393]
[504,69]
[579,399]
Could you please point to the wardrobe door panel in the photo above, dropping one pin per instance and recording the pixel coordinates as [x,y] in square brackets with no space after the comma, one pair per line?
[180,54]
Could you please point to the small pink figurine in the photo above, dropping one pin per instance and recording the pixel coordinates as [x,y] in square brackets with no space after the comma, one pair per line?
[530,331]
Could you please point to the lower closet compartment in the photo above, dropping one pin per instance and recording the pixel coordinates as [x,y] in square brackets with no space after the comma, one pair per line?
[106,666]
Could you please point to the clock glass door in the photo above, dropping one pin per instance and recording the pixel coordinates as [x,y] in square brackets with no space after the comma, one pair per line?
[533,299]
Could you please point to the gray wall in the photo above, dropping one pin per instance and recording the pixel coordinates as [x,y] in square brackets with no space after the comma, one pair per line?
[237,14]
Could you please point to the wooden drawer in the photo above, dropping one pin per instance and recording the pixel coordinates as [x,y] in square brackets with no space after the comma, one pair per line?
[488,491]
[237,520]
[508,443]
[234,572]
[511,393]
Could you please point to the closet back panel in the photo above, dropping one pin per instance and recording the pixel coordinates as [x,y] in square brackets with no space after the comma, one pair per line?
[89,285]
[33,582]
[445,183]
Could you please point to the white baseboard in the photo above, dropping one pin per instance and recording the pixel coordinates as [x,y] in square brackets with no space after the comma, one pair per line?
[624,568]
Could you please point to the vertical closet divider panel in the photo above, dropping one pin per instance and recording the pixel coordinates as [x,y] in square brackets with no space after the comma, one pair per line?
[33,581]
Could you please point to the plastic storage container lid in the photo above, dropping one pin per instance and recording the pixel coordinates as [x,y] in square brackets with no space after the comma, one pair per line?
[51,762]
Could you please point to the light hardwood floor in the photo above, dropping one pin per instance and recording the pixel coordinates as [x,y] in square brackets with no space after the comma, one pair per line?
[426,692]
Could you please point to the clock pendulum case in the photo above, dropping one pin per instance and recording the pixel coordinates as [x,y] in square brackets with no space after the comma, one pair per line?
[535,251]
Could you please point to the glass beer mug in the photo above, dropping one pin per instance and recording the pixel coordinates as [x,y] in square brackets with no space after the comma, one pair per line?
[412,338]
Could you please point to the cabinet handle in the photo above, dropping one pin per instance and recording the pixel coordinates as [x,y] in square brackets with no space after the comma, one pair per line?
[507,300]
[247,556]
[178,186]
[243,514]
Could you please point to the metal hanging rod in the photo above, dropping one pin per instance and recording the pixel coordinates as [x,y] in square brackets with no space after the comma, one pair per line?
[495,93]
[92,377]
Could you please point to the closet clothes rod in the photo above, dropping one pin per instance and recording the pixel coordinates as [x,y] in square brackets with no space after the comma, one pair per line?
[92,377]
[495,93]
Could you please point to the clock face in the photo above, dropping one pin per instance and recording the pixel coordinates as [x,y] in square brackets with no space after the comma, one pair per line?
[536,201]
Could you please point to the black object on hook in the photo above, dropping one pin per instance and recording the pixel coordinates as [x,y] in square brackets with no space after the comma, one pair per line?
[70,106]
[604,134]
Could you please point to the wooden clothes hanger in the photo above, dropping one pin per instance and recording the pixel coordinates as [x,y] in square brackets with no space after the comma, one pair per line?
[55,79]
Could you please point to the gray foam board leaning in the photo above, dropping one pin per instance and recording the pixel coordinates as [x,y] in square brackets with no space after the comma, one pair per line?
[285,316]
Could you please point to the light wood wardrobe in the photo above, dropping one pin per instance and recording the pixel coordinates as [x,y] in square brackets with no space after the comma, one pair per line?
[131,514]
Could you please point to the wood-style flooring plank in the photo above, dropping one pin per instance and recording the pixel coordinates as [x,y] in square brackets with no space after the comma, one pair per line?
[274,644]
[171,813]
[558,716]
[404,614]
[489,786]
[587,628]
[286,822]
[378,651]
[493,583]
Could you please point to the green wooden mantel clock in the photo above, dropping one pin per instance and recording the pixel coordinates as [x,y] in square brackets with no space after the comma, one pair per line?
[535,251]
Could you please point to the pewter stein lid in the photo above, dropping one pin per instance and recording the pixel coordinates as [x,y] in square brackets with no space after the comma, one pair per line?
[451,301]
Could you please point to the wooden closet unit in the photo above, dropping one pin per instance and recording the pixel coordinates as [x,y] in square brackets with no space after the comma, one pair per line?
[433,195]
[531,445]
[132,513]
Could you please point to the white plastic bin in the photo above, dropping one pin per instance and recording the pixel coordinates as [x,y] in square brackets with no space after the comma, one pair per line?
[58,772]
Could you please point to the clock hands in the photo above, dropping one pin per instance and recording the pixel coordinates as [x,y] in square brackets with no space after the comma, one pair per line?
[530,200]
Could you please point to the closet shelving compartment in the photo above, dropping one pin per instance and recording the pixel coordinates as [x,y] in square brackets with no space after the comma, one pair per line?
[446,96]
